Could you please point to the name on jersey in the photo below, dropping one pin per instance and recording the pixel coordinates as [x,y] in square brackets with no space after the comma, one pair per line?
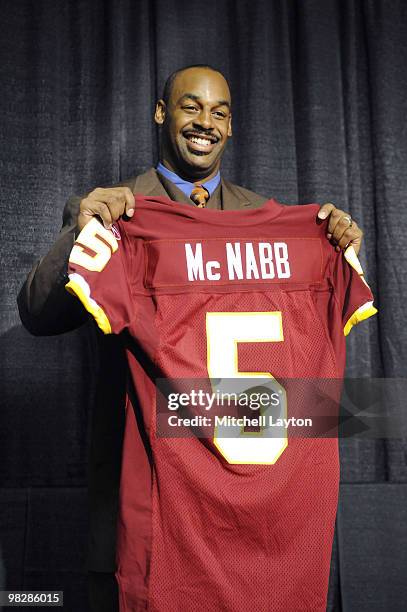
[217,261]
[244,261]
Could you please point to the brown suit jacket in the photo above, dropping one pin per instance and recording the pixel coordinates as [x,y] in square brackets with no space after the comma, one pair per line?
[46,308]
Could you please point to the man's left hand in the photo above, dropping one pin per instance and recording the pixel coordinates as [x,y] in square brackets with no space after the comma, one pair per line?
[342,230]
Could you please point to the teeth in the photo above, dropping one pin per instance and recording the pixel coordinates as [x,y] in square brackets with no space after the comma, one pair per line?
[201,141]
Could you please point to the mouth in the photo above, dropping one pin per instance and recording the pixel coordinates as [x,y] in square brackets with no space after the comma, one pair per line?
[200,143]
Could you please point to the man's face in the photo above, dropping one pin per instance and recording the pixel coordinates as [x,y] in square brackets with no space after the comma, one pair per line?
[196,123]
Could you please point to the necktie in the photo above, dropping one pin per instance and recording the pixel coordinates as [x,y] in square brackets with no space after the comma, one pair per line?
[199,195]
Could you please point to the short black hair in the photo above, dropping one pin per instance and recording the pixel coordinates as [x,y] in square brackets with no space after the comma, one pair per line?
[170,81]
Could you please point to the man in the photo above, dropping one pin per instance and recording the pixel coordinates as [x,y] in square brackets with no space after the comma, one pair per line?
[196,122]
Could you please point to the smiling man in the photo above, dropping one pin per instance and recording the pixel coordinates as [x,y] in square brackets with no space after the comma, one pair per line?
[198,106]
[195,118]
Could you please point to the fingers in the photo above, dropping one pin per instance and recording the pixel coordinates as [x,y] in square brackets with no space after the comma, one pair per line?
[120,198]
[353,236]
[109,204]
[338,223]
[347,237]
[339,232]
[91,208]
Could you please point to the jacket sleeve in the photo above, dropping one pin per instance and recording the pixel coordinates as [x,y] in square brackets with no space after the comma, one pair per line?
[45,307]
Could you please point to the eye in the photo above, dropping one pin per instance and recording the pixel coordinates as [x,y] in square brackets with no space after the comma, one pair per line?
[220,114]
[190,107]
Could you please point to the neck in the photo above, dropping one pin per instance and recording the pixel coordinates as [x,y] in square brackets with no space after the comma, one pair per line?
[189,176]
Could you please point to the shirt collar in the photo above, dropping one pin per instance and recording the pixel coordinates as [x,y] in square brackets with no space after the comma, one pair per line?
[185,186]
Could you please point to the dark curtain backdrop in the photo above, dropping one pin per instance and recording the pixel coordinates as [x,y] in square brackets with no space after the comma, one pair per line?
[319,94]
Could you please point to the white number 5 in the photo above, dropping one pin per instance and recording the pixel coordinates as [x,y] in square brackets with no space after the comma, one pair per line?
[100,241]
[224,330]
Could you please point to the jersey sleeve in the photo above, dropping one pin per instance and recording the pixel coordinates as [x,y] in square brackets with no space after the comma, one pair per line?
[351,289]
[98,276]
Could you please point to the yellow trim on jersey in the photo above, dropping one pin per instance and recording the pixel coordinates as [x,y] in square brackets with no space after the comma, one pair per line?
[362,313]
[353,260]
[80,288]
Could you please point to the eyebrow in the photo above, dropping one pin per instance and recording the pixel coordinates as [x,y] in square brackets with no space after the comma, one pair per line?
[192,96]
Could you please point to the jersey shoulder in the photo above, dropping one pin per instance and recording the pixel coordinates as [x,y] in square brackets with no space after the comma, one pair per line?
[301,210]
[303,218]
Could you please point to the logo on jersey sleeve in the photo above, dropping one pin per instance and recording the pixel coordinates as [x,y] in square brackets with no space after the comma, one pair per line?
[115,232]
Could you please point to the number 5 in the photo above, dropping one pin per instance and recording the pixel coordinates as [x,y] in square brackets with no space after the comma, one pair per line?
[224,330]
[99,240]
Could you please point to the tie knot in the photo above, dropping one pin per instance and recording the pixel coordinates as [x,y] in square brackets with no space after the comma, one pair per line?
[199,195]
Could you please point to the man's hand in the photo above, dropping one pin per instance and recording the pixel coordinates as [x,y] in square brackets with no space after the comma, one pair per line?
[342,229]
[109,204]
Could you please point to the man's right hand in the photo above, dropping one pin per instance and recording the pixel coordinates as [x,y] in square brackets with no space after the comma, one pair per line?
[108,204]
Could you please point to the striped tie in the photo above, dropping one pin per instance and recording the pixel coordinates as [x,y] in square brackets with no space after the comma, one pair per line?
[199,195]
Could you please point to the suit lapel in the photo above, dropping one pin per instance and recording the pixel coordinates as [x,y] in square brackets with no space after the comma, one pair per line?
[232,199]
[174,192]
[149,184]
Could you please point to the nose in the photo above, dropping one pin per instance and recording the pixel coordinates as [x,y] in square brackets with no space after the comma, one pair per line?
[204,119]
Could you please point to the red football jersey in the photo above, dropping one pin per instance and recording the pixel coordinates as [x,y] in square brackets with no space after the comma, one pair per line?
[231,524]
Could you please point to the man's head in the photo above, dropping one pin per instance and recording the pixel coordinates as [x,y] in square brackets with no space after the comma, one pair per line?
[195,115]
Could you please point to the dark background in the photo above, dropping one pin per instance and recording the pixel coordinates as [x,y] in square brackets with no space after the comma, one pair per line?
[319,94]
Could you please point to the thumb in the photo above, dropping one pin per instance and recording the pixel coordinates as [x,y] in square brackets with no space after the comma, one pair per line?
[325,210]
[130,204]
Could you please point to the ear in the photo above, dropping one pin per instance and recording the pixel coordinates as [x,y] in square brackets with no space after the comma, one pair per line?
[230,126]
[160,111]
